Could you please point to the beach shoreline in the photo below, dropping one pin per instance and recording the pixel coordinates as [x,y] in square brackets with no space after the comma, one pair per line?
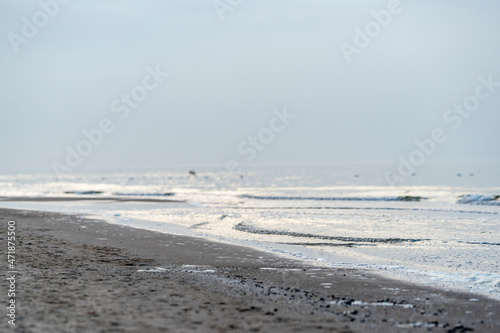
[82,274]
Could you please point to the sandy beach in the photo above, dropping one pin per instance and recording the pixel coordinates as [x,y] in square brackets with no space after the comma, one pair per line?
[77,274]
[250,166]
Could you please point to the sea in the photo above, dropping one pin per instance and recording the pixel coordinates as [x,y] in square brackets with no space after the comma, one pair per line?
[439,227]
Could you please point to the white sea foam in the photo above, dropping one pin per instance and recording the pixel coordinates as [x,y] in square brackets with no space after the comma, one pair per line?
[479,199]
[153,270]
[439,239]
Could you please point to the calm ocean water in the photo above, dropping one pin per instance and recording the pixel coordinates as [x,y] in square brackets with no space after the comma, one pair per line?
[441,227]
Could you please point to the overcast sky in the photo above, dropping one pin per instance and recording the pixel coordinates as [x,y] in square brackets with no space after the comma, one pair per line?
[227,76]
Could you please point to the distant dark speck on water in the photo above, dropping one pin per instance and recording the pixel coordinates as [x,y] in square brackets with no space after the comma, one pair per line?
[192,173]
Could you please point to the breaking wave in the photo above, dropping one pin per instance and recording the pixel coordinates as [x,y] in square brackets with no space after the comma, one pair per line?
[167,194]
[478,199]
[121,194]
[398,198]
[84,192]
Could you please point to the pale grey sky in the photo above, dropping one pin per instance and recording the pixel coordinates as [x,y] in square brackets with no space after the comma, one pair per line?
[226,78]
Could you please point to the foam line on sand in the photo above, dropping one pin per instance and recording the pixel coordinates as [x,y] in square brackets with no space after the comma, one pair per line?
[77,274]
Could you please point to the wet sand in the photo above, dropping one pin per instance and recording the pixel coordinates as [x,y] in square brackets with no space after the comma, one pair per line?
[78,274]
